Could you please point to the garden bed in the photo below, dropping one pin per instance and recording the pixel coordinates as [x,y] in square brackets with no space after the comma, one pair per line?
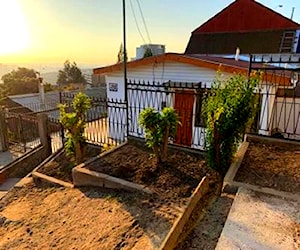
[271,165]
[175,179]
[85,218]
[60,166]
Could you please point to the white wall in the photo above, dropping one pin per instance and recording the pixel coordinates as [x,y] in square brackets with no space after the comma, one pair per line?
[160,73]
[268,100]
[287,116]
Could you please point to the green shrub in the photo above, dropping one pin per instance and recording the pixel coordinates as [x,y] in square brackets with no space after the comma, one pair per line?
[74,123]
[159,127]
[228,108]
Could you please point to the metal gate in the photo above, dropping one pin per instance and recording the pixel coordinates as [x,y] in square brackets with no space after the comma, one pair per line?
[22,130]
[279,95]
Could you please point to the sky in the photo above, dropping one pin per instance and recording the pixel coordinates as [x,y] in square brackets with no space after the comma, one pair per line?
[89,32]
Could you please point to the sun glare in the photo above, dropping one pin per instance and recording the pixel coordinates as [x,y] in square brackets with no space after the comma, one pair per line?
[13,28]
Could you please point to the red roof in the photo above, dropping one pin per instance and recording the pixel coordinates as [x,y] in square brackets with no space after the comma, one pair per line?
[246,15]
[216,63]
[211,62]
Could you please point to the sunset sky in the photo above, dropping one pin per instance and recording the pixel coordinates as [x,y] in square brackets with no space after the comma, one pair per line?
[90,31]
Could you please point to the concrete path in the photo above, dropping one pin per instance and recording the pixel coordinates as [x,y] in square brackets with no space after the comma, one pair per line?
[259,221]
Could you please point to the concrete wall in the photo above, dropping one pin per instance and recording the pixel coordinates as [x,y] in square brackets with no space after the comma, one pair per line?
[25,164]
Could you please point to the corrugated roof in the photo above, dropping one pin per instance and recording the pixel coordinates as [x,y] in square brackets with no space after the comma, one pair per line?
[226,43]
[246,15]
[201,61]
[246,24]
[213,62]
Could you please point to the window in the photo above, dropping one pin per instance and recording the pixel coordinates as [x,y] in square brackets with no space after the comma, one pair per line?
[199,119]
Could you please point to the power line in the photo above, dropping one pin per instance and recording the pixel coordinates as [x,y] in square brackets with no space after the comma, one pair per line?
[136,22]
[142,15]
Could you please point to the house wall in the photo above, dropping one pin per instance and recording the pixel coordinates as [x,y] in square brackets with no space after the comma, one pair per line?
[160,73]
[286,117]
[268,93]
[180,72]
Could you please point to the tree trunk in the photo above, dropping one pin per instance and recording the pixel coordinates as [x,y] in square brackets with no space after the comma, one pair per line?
[157,154]
[164,152]
[217,148]
[78,153]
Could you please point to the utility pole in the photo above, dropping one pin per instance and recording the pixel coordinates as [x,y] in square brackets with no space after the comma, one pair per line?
[125,68]
[292,15]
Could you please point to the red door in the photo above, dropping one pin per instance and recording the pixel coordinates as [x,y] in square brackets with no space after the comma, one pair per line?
[184,103]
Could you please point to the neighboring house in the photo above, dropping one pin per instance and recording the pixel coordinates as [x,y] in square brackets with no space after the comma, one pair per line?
[244,24]
[34,104]
[156,49]
[249,26]
[179,81]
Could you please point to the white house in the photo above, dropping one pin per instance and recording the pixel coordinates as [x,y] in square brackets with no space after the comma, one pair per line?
[179,81]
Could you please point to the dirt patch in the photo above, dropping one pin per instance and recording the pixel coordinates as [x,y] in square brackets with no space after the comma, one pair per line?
[207,231]
[61,167]
[272,166]
[177,178]
[60,218]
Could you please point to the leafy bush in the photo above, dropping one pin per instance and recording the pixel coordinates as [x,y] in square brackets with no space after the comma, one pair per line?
[74,123]
[228,109]
[159,127]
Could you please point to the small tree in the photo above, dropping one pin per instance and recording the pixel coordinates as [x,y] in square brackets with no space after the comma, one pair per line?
[74,123]
[159,127]
[148,52]
[228,109]
[121,53]
[71,73]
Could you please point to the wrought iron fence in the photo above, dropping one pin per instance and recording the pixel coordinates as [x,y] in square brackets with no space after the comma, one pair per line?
[22,131]
[106,120]
[279,96]
[55,132]
[185,98]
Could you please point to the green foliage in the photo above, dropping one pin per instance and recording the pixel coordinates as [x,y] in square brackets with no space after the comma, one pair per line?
[158,128]
[48,87]
[228,109]
[70,74]
[121,55]
[20,81]
[148,53]
[74,123]
[3,92]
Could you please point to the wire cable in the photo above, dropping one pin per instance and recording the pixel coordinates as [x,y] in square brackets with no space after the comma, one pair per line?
[144,22]
[136,23]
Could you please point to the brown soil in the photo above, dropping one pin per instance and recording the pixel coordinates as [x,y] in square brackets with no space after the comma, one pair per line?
[177,178]
[61,167]
[208,230]
[59,218]
[273,166]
